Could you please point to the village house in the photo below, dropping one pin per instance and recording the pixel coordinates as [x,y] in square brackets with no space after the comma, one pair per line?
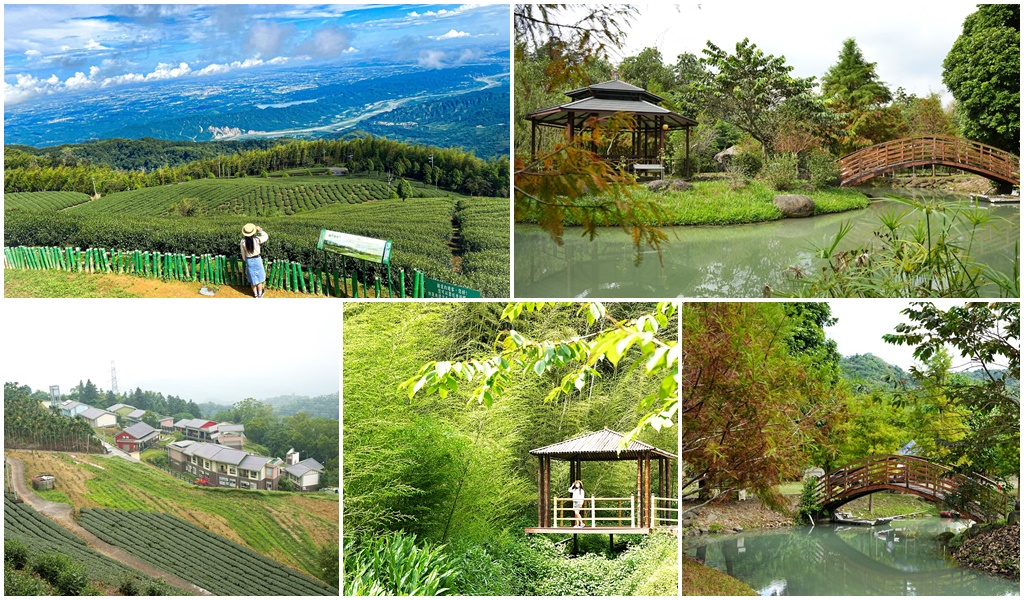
[196,429]
[97,417]
[134,416]
[70,408]
[230,435]
[121,410]
[224,467]
[167,424]
[137,437]
[305,475]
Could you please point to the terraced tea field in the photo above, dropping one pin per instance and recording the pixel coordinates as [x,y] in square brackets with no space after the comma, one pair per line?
[43,201]
[196,555]
[40,534]
[288,528]
[249,196]
[292,210]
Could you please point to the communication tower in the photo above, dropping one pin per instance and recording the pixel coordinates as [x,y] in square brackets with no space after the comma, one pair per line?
[113,378]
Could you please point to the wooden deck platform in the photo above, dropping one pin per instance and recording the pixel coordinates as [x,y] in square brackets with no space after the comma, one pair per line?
[585,530]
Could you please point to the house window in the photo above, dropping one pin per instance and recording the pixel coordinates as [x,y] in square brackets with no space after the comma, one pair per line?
[231,470]
[193,460]
[206,464]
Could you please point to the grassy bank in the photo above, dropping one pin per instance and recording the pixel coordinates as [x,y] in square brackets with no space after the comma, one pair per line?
[61,284]
[700,580]
[890,505]
[719,203]
[290,528]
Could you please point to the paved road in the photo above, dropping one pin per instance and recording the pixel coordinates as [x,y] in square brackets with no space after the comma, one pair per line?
[61,513]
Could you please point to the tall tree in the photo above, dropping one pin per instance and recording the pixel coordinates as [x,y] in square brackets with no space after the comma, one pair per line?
[982,71]
[853,89]
[988,336]
[753,403]
[755,92]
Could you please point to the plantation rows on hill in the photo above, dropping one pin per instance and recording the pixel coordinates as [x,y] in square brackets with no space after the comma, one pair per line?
[40,534]
[253,197]
[208,560]
[419,228]
[43,201]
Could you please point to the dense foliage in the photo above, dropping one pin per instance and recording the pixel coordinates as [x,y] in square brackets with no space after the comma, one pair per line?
[452,169]
[761,392]
[43,201]
[982,71]
[30,537]
[210,561]
[27,424]
[457,472]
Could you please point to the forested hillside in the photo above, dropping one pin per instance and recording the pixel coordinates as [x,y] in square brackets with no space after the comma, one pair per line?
[455,473]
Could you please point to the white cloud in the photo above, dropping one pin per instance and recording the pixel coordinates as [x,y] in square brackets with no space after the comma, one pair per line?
[432,59]
[168,71]
[213,69]
[27,86]
[267,39]
[94,45]
[32,53]
[327,42]
[451,35]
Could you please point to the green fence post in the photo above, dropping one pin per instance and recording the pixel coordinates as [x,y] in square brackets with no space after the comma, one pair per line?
[376,286]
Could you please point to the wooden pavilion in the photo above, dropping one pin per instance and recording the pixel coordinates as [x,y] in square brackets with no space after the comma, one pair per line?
[644,153]
[640,514]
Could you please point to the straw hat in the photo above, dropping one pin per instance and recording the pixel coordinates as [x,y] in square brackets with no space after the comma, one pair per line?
[248,229]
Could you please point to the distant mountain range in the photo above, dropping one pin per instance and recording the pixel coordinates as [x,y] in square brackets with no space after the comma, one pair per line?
[465,106]
[326,406]
[874,373]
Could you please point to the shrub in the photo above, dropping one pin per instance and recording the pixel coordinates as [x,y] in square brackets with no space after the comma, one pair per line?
[822,169]
[15,553]
[188,207]
[746,162]
[128,585]
[781,171]
[22,584]
[394,563]
[64,573]
[808,505]
[158,587]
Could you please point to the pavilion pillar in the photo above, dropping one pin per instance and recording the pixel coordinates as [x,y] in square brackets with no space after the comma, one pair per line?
[533,140]
[661,144]
[540,491]
[547,491]
[687,168]
[640,491]
[571,126]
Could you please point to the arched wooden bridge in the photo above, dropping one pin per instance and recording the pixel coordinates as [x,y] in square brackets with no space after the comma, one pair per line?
[911,475]
[973,157]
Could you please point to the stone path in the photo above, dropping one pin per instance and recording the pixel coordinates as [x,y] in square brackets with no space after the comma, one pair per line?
[61,513]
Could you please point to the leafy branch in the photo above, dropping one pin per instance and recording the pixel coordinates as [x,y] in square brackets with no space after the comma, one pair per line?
[581,354]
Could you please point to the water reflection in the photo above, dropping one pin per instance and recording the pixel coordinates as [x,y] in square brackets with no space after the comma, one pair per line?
[900,559]
[734,261]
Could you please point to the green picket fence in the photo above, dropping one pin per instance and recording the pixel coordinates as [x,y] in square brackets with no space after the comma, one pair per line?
[343,281]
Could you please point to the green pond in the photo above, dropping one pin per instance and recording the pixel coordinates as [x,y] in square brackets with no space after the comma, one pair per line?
[898,559]
[734,261]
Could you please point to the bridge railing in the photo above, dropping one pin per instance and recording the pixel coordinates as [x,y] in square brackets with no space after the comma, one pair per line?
[976,495]
[957,152]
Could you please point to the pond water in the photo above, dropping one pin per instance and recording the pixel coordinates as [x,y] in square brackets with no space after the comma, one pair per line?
[899,559]
[735,261]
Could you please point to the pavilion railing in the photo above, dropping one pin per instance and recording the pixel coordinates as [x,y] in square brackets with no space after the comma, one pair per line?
[596,512]
[665,511]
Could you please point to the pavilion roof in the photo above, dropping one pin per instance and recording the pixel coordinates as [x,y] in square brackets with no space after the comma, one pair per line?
[599,445]
[645,112]
[615,88]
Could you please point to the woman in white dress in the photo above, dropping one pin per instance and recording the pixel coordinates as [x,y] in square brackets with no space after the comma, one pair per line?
[576,490]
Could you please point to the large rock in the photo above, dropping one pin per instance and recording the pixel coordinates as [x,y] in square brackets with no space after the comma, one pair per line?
[795,205]
[671,185]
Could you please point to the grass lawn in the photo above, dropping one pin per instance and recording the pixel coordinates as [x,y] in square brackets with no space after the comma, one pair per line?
[717,203]
[890,505]
[290,528]
[701,580]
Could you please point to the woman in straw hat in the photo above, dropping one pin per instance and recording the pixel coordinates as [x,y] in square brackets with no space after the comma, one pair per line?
[253,237]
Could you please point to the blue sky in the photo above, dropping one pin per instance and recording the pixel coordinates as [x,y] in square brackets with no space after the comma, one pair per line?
[63,49]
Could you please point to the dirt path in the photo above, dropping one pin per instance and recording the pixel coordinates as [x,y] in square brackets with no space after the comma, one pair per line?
[61,513]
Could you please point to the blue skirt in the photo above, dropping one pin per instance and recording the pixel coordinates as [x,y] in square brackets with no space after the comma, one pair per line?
[254,269]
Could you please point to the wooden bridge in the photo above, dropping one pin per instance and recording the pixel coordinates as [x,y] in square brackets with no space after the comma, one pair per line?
[973,157]
[976,496]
